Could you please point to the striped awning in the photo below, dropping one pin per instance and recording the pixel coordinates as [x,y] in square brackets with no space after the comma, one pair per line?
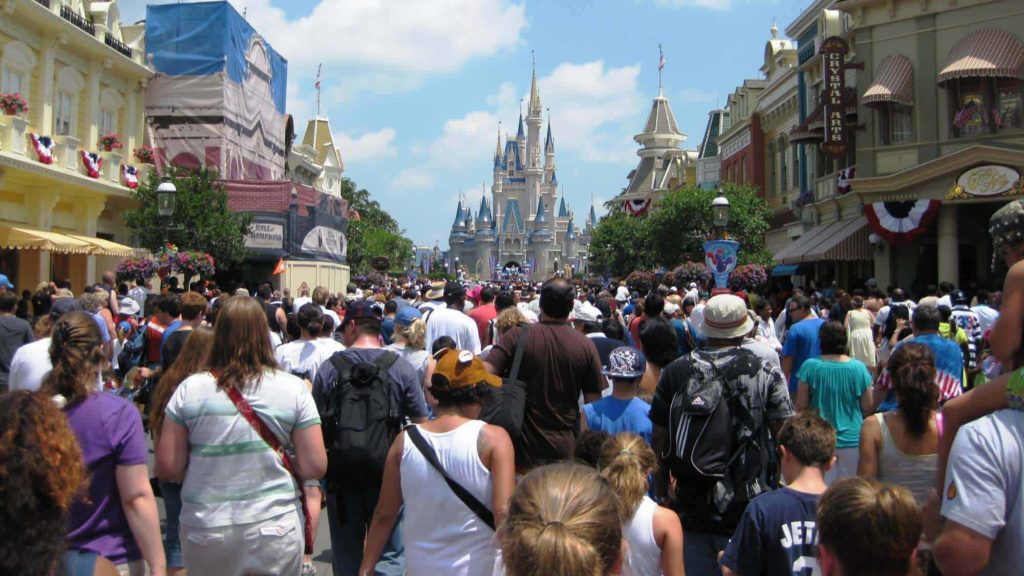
[102,247]
[985,53]
[19,238]
[894,82]
[843,240]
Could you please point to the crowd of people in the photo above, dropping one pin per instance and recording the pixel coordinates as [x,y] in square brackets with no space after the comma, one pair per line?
[514,428]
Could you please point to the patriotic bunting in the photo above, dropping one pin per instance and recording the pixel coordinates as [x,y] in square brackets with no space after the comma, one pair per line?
[899,222]
[637,207]
[130,176]
[93,163]
[843,180]
[44,148]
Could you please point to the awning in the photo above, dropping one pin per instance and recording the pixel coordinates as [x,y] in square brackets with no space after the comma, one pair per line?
[894,82]
[102,247]
[785,270]
[844,240]
[985,53]
[18,238]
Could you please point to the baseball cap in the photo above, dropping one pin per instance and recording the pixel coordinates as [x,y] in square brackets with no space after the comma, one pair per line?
[407,315]
[452,289]
[62,306]
[587,312]
[358,310]
[6,282]
[960,297]
[457,369]
[626,362]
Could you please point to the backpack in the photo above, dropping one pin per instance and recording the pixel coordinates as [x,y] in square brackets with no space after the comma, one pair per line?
[890,321]
[133,351]
[701,436]
[360,421]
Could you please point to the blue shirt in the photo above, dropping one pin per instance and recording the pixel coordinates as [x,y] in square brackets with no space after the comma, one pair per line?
[171,329]
[801,344]
[949,368]
[613,415]
[698,337]
[777,535]
[387,330]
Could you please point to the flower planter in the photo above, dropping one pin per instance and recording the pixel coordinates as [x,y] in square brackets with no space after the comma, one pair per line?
[111,169]
[13,134]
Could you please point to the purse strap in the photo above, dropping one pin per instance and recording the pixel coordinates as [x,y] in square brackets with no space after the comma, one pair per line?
[247,412]
[468,499]
[517,360]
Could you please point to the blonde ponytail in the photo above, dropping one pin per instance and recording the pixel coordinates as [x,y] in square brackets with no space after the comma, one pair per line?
[626,461]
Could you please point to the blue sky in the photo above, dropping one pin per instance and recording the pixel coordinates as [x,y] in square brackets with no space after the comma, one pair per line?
[414,89]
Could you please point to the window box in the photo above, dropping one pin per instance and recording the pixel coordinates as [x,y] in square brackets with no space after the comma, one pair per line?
[13,134]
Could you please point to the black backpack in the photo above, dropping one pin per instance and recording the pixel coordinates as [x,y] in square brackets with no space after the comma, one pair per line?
[360,421]
[700,417]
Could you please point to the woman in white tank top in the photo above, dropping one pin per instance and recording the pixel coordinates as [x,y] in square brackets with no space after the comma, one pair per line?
[442,535]
[654,533]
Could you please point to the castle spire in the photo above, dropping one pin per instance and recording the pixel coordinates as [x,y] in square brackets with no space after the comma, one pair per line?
[522,133]
[497,149]
[549,142]
[534,92]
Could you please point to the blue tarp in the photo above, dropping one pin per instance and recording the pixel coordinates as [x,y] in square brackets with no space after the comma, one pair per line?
[785,270]
[205,38]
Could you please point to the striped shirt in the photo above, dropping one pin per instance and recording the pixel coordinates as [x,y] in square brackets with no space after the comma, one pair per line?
[949,365]
[969,320]
[233,476]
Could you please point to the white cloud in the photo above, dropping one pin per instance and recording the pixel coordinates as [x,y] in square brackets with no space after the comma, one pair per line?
[720,5]
[412,179]
[368,147]
[468,138]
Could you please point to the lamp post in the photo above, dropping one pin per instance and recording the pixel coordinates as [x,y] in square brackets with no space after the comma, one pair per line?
[720,254]
[166,201]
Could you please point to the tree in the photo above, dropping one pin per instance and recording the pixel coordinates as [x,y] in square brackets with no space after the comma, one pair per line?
[375,233]
[674,231]
[201,221]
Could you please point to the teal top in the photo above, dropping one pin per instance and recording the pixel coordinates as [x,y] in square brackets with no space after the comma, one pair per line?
[836,388]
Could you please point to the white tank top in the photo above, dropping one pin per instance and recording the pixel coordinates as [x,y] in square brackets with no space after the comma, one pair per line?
[442,535]
[644,554]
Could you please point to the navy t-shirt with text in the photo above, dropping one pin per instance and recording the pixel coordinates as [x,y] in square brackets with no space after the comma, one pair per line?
[776,536]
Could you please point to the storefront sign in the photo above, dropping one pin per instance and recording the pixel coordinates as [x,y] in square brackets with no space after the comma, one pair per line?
[989,180]
[325,241]
[265,236]
[833,54]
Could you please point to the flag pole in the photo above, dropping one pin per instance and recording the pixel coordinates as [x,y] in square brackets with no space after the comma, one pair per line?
[661,64]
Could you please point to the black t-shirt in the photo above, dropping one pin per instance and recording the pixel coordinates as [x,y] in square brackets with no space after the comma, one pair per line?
[172,348]
[604,346]
[14,333]
[776,536]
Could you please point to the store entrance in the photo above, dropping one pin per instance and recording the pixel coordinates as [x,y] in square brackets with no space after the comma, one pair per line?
[975,247]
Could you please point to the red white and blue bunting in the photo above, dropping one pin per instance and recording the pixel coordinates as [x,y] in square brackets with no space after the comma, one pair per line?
[130,176]
[843,180]
[93,162]
[899,222]
[44,148]
[637,207]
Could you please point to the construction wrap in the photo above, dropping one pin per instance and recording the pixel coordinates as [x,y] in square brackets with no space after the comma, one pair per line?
[219,94]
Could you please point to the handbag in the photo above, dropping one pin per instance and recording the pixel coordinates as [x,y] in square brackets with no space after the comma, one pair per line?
[506,406]
[478,507]
[245,409]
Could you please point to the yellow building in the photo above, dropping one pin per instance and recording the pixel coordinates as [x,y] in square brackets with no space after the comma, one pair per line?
[83,75]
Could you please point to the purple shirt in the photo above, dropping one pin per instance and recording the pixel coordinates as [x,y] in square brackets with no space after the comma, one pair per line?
[109,432]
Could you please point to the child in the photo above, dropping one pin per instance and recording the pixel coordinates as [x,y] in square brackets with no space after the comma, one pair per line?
[653,532]
[777,533]
[622,411]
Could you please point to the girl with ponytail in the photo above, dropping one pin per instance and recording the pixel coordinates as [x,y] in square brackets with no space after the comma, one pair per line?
[653,532]
[118,518]
[901,446]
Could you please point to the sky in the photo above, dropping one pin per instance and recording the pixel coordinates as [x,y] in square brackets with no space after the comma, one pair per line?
[415,89]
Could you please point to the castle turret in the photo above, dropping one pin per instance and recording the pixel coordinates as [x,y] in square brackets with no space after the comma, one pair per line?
[571,247]
[541,240]
[549,148]
[458,235]
[485,239]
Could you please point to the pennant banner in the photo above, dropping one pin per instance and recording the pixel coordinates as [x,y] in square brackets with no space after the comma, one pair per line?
[44,148]
[843,180]
[899,222]
[130,176]
[93,163]
[637,207]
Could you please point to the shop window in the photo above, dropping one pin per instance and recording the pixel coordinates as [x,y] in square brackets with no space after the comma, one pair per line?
[896,124]
[985,105]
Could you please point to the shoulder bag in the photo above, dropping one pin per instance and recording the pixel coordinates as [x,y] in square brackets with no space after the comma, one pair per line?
[478,507]
[506,406]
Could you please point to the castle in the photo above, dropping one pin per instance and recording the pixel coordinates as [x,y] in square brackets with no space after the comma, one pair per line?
[518,233]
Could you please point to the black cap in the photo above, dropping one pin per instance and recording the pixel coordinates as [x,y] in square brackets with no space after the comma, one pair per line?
[358,310]
[959,297]
[453,290]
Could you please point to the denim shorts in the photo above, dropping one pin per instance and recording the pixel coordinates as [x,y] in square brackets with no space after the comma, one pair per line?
[171,494]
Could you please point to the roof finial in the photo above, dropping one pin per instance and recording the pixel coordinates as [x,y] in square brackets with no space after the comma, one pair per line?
[775,29]
[534,92]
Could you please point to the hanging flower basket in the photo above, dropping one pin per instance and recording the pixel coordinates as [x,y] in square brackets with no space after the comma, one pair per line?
[136,270]
[641,280]
[109,142]
[192,263]
[749,277]
[144,154]
[689,272]
[13,104]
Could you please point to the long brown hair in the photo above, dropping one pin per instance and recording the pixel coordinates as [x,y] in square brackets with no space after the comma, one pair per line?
[626,461]
[241,344]
[912,367]
[563,519]
[194,358]
[76,351]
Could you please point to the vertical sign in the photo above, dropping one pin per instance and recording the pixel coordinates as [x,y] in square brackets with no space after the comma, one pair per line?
[833,54]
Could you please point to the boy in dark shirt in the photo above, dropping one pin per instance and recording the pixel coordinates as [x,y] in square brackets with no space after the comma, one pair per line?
[778,533]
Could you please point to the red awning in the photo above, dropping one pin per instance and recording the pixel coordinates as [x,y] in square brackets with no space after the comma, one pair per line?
[985,53]
[894,82]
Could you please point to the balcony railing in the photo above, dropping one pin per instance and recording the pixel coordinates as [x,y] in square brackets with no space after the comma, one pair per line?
[44,2]
[116,44]
[77,19]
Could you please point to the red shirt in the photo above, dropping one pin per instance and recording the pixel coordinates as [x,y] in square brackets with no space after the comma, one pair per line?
[482,315]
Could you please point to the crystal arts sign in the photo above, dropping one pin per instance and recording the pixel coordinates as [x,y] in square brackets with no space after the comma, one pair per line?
[833,55]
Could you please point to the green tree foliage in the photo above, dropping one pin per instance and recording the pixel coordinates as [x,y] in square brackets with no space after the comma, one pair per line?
[376,233]
[201,221]
[675,230]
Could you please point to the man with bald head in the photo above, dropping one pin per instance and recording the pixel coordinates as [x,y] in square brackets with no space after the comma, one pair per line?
[559,363]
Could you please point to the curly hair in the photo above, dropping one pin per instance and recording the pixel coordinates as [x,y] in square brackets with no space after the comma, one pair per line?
[76,351]
[35,491]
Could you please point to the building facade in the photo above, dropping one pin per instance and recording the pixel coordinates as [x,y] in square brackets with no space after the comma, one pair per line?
[942,102]
[519,230]
[82,74]
[709,163]
[741,144]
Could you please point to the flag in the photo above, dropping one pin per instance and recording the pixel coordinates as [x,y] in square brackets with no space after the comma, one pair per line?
[843,180]
[661,58]
[130,175]
[279,269]
[44,148]
[317,84]
[93,163]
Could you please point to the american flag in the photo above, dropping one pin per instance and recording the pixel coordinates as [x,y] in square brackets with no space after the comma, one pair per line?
[317,84]
[661,58]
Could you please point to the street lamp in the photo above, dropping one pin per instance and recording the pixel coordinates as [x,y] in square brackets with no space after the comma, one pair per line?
[166,200]
[720,254]
[720,211]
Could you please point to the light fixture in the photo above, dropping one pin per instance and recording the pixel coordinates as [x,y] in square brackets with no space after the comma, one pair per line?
[166,198]
[720,211]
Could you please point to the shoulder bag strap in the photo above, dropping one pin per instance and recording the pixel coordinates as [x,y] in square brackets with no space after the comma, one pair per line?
[245,409]
[517,360]
[468,499]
